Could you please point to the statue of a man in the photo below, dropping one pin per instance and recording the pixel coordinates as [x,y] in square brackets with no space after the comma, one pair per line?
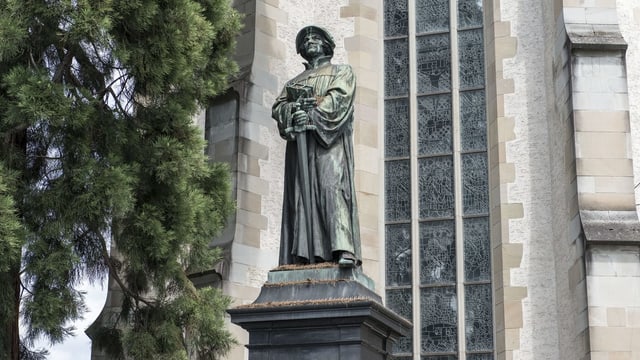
[314,113]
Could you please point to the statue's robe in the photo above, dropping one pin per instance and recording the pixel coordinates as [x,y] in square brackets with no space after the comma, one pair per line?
[334,215]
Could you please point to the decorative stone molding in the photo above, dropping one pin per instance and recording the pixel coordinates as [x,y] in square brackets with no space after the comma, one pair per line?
[500,45]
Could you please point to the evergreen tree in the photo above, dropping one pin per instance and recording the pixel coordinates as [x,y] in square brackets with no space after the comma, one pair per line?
[98,145]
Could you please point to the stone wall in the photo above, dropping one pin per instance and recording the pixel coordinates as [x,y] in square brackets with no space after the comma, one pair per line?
[568,241]
[604,65]
[629,22]
[613,270]
[531,153]
[614,310]
[539,277]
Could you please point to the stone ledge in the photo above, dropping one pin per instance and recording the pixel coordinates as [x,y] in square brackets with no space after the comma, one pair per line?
[611,227]
[595,37]
[316,282]
[319,311]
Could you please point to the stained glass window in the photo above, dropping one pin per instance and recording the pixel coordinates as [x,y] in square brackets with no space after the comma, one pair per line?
[478,318]
[439,319]
[473,120]
[435,181]
[439,126]
[395,18]
[471,54]
[399,301]
[396,127]
[475,187]
[435,132]
[398,254]
[432,16]
[433,63]
[477,261]
[396,67]
[469,13]
[397,190]
[438,252]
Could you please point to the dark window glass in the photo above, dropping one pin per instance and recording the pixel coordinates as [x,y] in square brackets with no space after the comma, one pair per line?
[487,356]
[395,17]
[437,244]
[396,67]
[473,121]
[435,134]
[432,16]
[433,63]
[478,319]
[398,254]
[471,53]
[396,127]
[437,252]
[221,123]
[475,187]
[436,187]
[477,259]
[439,319]
[469,13]
[397,190]
[399,301]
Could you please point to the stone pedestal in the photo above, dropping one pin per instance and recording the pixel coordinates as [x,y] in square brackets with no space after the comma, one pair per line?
[319,313]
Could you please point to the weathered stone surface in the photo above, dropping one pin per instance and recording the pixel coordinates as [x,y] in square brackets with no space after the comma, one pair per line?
[611,226]
[596,36]
[328,273]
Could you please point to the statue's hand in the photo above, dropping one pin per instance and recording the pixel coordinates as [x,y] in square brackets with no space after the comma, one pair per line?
[300,119]
[306,104]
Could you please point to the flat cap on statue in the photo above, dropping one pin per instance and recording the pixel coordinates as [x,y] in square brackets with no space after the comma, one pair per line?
[313,29]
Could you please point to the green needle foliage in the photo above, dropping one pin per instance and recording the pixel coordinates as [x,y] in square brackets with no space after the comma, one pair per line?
[97,145]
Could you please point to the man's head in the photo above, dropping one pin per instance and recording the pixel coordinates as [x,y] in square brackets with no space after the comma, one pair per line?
[310,34]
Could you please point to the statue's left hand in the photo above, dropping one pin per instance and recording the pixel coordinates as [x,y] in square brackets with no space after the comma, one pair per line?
[307,104]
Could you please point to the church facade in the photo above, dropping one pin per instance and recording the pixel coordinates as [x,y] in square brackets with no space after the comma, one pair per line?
[494,155]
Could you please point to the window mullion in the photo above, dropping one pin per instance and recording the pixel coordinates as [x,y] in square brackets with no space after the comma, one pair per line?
[457,175]
[413,130]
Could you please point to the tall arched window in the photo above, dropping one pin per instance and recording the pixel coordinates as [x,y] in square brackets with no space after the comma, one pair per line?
[437,245]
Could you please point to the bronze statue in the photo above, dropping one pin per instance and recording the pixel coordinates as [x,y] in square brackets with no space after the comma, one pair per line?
[314,113]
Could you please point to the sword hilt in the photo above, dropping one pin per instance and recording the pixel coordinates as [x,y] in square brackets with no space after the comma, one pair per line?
[300,128]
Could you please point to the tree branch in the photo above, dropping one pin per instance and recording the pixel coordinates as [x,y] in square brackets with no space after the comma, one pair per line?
[64,64]
[114,273]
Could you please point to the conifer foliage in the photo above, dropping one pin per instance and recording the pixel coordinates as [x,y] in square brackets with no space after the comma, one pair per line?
[97,145]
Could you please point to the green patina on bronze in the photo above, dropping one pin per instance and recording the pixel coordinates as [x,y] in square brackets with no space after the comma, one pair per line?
[314,113]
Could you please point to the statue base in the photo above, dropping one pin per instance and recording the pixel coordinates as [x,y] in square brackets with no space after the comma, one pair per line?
[319,312]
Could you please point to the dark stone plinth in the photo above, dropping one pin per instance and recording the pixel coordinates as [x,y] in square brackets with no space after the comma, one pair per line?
[327,313]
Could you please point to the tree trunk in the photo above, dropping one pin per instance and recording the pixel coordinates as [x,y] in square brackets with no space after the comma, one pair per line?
[14,323]
[9,318]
